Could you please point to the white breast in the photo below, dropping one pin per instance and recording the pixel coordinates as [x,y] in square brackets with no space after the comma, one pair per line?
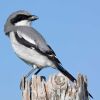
[28,54]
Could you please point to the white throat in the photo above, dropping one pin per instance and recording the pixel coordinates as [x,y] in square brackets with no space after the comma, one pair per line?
[23,23]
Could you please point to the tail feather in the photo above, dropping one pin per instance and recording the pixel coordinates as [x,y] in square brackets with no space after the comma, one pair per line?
[66,73]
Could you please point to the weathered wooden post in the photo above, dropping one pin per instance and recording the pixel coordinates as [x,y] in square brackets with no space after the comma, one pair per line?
[57,87]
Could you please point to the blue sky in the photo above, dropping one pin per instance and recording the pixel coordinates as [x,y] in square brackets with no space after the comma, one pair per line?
[71,27]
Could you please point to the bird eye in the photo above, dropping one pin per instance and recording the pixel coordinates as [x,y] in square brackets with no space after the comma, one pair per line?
[19,18]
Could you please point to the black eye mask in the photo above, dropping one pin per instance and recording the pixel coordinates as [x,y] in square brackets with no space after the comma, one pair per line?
[19,18]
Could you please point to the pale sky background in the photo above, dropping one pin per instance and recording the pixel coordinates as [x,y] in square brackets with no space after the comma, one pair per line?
[71,27]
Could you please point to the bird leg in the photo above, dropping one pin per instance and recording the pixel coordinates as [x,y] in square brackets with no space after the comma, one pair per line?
[37,71]
[34,68]
[30,72]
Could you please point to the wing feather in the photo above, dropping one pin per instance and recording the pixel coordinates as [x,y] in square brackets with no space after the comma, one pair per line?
[49,53]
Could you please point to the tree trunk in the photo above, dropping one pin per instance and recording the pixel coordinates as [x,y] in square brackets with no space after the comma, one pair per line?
[58,87]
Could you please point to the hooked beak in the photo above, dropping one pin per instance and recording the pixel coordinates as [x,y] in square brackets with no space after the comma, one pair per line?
[33,17]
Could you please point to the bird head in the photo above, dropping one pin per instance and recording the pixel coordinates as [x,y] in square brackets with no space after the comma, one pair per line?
[19,18]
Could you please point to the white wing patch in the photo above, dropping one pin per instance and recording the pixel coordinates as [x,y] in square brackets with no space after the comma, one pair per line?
[26,37]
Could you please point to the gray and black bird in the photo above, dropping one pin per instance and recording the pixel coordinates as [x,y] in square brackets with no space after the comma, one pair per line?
[29,45]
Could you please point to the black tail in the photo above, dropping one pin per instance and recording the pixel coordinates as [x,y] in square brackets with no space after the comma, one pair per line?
[66,73]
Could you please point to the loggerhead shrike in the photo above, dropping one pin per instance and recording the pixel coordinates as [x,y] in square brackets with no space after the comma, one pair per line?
[29,45]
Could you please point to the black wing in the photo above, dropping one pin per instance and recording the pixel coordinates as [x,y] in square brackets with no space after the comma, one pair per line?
[50,53]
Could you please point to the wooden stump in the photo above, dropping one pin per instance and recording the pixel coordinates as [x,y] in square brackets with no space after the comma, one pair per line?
[58,87]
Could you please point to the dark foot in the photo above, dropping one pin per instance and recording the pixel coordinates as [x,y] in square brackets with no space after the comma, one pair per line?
[37,71]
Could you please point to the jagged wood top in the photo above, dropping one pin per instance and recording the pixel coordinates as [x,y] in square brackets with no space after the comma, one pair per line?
[57,87]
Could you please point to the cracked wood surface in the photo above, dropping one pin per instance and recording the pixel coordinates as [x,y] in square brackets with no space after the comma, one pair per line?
[57,87]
